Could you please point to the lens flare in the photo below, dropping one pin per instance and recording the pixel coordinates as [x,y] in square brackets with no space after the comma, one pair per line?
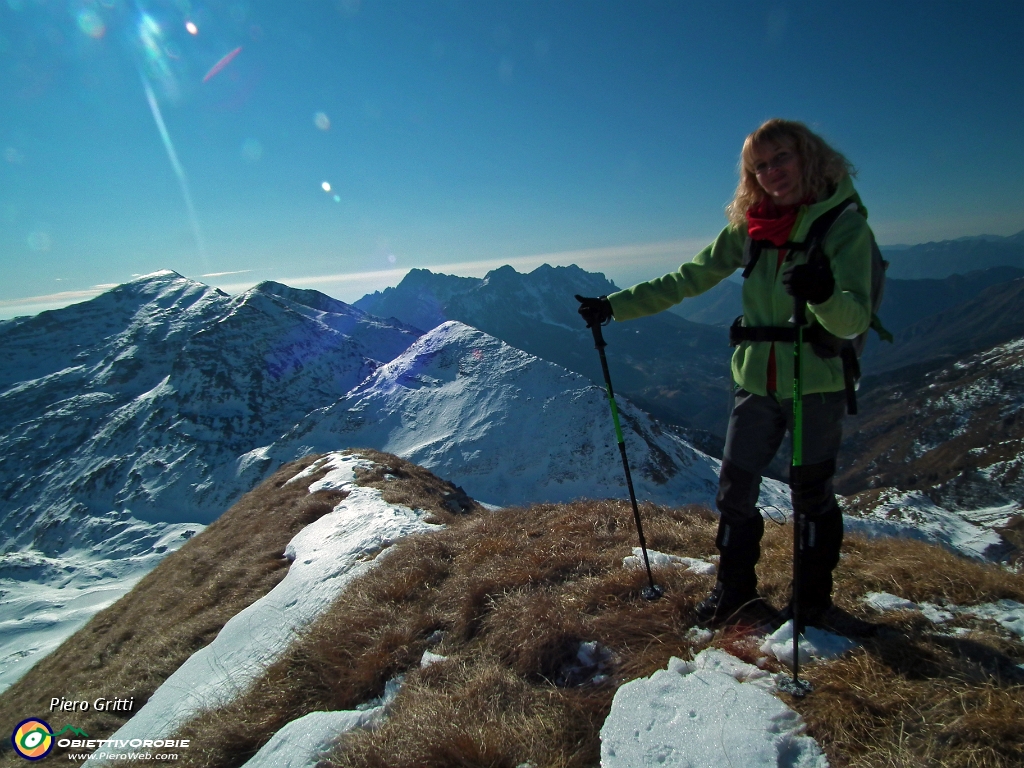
[326,187]
[225,60]
[322,121]
[90,22]
[192,28]
[154,56]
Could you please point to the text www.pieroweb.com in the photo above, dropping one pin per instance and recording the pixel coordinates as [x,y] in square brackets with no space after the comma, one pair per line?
[122,756]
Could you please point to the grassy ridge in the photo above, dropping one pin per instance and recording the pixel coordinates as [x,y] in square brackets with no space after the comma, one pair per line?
[508,597]
[130,648]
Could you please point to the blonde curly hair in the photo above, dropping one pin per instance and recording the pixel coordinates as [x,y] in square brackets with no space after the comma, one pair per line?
[822,167]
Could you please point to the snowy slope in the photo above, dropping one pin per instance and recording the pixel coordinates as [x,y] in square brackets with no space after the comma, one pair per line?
[325,555]
[509,427]
[153,389]
[121,420]
[47,599]
[939,452]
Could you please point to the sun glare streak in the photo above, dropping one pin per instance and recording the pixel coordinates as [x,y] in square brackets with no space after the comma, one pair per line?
[192,28]
[154,107]
[151,37]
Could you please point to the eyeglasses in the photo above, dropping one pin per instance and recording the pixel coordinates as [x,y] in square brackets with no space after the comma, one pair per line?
[781,159]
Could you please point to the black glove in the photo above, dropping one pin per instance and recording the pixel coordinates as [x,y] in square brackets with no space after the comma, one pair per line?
[812,281]
[595,311]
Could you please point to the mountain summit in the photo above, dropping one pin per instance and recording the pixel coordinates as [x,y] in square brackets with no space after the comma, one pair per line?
[510,427]
[676,370]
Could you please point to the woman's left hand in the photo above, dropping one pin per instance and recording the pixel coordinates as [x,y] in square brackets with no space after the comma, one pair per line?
[812,281]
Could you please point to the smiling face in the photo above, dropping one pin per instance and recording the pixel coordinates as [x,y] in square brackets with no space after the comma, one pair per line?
[777,169]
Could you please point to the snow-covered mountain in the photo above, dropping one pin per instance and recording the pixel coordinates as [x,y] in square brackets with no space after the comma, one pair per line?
[121,420]
[128,421]
[509,427]
[139,400]
[676,370]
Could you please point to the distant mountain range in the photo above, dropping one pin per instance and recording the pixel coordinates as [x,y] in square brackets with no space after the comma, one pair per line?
[676,370]
[949,257]
[993,316]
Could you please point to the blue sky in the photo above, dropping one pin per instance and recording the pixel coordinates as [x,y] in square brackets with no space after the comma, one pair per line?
[459,136]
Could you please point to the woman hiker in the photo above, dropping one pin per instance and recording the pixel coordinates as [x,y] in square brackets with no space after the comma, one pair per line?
[789,177]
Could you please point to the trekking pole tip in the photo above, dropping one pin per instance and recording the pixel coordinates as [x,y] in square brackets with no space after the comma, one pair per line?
[795,687]
[652,593]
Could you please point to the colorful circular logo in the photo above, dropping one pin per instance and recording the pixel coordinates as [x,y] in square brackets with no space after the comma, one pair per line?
[33,739]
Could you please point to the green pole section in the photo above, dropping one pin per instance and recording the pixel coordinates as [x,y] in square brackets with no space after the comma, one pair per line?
[615,416]
[652,591]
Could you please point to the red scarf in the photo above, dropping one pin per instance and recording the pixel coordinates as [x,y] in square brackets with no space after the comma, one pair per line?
[767,221]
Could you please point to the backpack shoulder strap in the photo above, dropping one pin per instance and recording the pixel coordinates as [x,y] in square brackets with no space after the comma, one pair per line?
[821,225]
[751,253]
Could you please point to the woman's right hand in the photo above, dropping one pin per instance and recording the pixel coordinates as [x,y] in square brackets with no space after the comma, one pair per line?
[596,311]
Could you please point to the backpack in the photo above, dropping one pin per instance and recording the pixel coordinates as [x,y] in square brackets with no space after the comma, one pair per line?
[822,342]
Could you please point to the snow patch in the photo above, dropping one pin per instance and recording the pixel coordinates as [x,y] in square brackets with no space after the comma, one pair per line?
[304,742]
[884,602]
[715,710]
[1009,614]
[814,643]
[662,560]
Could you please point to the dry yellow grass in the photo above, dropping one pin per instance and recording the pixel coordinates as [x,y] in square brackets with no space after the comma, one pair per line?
[507,598]
[131,647]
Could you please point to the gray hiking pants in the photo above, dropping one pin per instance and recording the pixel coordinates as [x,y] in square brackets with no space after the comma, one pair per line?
[757,427]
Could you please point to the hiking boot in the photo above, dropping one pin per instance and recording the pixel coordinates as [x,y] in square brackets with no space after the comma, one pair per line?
[724,604]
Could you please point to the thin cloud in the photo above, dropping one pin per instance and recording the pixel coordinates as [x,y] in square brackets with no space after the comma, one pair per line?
[617,256]
[617,259]
[64,297]
[222,274]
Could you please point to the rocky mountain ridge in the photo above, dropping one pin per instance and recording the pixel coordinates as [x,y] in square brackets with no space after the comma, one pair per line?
[676,370]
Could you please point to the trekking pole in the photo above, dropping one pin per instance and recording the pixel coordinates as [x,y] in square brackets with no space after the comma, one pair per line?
[798,687]
[652,591]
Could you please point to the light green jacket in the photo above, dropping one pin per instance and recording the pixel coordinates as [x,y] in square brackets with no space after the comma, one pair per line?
[765,301]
